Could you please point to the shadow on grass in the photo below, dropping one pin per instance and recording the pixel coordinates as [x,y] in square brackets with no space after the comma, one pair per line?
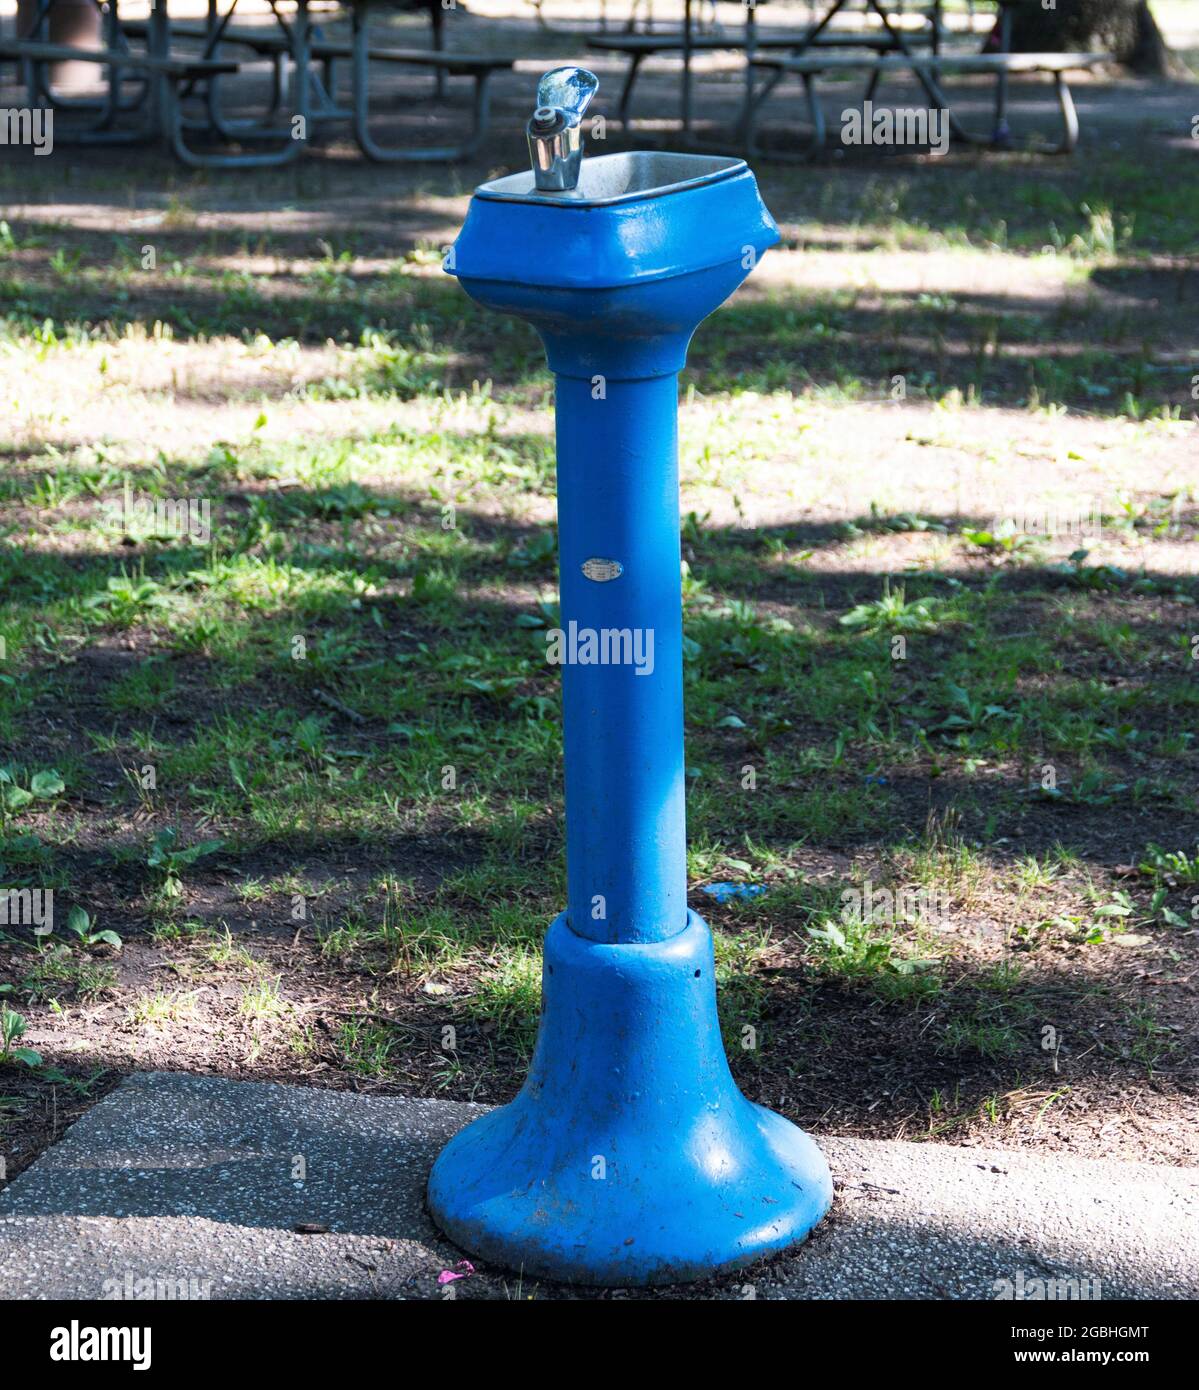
[418,335]
[419,660]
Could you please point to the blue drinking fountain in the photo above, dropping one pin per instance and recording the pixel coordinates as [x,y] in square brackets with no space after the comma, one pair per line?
[629,1156]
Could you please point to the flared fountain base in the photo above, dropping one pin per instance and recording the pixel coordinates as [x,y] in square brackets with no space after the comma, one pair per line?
[630,1156]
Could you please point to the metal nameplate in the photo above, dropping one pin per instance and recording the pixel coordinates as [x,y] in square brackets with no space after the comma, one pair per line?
[602,570]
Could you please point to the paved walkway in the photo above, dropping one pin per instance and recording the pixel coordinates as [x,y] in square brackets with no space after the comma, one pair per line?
[250,1190]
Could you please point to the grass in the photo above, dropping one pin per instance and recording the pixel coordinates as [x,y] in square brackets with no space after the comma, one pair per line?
[365,1048]
[260,1002]
[156,1011]
[57,974]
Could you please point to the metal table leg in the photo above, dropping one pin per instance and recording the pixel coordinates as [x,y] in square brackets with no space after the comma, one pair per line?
[437,18]
[751,48]
[34,77]
[687,49]
[293,141]
[626,95]
[1002,134]
[924,75]
[815,115]
[360,77]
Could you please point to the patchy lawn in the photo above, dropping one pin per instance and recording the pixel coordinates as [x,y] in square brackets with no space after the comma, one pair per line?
[940,520]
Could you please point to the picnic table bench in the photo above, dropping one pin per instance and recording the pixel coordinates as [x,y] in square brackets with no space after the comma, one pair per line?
[266,44]
[174,72]
[177,68]
[808,66]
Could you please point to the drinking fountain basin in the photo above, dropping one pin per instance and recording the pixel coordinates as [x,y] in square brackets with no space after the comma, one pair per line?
[616,273]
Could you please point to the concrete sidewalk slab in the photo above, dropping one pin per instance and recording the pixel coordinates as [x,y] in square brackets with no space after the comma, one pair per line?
[251,1190]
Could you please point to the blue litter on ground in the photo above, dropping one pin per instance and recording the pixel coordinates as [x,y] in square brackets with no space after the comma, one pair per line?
[722,892]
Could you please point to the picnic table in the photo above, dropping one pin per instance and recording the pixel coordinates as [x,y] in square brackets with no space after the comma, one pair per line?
[165,76]
[753,38]
[887,49]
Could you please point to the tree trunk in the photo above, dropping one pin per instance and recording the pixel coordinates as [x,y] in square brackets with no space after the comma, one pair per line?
[1124,28]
